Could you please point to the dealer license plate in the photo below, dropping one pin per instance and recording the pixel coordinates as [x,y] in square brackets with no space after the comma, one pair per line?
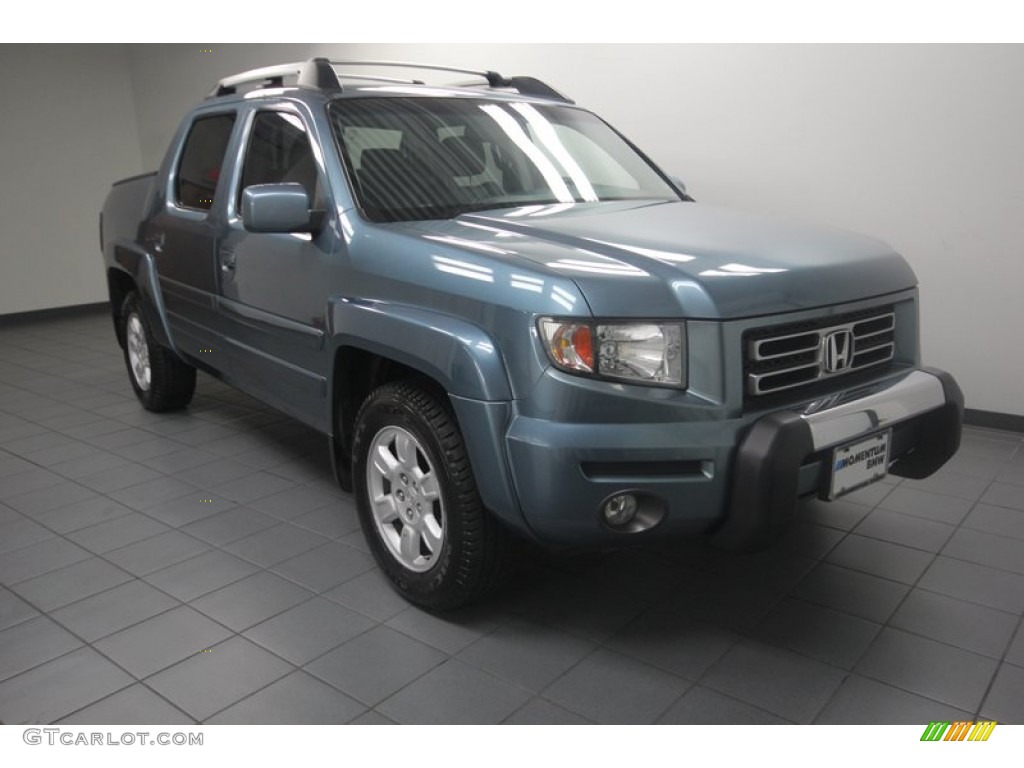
[859,464]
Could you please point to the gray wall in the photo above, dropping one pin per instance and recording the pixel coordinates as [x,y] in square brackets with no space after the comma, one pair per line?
[918,145]
[67,131]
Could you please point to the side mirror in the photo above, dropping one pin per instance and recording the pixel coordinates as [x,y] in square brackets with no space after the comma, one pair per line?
[679,185]
[276,208]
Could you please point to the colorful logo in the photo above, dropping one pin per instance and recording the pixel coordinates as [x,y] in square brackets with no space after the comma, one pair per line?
[961,730]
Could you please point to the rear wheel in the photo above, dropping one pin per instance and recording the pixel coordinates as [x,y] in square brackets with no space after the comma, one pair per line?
[161,381]
[418,502]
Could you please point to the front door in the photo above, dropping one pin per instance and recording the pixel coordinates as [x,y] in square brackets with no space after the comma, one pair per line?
[275,286]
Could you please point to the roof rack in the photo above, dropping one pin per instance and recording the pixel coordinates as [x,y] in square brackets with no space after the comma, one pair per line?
[319,74]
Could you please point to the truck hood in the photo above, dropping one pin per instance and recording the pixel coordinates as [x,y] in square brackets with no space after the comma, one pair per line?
[668,259]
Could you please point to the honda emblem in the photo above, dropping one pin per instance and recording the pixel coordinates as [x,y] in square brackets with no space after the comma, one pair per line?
[837,351]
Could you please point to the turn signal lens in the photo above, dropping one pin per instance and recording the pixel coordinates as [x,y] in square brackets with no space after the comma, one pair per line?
[571,345]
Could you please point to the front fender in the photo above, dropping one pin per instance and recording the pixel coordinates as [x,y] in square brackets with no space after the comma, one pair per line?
[458,355]
[465,361]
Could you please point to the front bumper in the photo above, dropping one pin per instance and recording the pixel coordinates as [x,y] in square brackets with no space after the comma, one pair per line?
[785,455]
[739,478]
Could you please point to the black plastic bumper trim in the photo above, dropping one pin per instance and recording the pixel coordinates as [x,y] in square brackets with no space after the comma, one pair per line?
[766,476]
[938,435]
[766,469]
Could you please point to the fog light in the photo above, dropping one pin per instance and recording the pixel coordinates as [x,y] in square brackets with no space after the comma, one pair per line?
[620,509]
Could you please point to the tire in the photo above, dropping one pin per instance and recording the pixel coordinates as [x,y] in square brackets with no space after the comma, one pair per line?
[418,502]
[160,379]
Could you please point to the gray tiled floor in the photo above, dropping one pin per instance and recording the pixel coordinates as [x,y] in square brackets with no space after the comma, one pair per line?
[203,567]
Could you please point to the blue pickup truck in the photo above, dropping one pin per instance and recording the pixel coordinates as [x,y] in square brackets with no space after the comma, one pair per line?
[510,323]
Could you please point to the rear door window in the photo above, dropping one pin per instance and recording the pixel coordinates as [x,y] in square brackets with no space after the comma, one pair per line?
[201,161]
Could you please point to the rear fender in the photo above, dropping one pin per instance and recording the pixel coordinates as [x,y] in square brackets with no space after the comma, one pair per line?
[139,266]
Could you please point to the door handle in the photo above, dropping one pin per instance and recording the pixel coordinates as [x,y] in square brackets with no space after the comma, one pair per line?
[227,261]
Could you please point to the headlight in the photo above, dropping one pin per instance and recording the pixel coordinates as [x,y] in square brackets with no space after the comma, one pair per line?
[641,353]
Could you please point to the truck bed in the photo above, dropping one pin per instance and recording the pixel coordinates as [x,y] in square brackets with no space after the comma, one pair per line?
[125,208]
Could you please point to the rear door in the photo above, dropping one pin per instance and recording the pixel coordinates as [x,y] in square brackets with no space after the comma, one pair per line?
[183,236]
[275,286]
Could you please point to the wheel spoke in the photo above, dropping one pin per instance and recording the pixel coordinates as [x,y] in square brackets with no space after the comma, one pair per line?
[429,490]
[410,544]
[432,535]
[384,509]
[405,450]
[384,462]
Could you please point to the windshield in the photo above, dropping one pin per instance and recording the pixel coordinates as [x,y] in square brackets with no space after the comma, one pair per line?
[429,158]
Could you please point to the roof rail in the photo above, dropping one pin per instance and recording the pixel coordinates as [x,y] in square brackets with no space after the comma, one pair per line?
[527,86]
[319,73]
[268,77]
[378,78]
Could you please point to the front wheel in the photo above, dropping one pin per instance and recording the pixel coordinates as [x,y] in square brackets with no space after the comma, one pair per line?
[418,502]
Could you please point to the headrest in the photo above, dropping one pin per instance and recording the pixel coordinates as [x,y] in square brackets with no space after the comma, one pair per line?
[464,154]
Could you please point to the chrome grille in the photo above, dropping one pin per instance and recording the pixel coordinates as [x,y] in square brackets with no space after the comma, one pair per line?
[798,354]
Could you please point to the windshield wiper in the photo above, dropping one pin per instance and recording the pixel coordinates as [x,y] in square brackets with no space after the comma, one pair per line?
[451,211]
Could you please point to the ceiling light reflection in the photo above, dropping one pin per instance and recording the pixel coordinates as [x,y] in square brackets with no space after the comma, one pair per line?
[526,283]
[463,268]
[546,134]
[616,268]
[471,244]
[670,257]
[563,298]
[740,270]
[508,124]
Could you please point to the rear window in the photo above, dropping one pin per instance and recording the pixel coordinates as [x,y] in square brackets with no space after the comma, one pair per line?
[201,161]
